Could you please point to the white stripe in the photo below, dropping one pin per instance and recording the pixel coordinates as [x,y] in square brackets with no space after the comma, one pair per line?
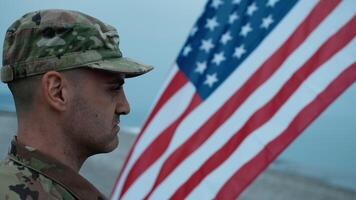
[170,111]
[170,75]
[200,115]
[254,143]
[258,99]
[166,116]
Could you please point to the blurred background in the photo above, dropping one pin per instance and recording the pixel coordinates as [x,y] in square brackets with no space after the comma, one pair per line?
[154,32]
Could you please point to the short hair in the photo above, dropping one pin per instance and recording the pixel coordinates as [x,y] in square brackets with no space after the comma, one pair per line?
[23,92]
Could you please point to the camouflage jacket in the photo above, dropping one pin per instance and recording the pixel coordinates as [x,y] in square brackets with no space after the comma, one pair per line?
[28,174]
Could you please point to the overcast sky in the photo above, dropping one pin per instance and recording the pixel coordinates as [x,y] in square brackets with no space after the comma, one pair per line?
[150,31]
[154,32]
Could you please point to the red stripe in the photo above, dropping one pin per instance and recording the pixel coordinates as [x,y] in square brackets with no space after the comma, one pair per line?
[244,176]
[258,78]
[157,147]
[177,82]
[265,113]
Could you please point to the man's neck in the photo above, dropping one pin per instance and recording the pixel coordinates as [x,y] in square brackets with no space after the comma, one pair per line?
[53,144]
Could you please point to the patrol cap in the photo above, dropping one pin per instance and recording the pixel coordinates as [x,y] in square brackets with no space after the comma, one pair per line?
[58,40]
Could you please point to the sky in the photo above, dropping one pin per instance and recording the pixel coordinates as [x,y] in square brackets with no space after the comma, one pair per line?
[154,32]
[151,31]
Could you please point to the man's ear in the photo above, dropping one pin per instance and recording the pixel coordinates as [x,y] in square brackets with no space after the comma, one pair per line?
[55,90]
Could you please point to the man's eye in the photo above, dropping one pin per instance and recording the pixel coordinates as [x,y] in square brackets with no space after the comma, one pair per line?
[116,87]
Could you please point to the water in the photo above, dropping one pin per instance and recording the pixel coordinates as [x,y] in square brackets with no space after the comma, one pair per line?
[325,150]
[6,102]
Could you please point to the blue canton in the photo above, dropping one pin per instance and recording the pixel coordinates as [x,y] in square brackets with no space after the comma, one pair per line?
[225,34]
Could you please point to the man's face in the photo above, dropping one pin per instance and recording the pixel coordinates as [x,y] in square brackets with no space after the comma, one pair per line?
[97,103]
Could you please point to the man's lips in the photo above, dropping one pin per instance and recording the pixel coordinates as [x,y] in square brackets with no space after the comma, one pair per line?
[116,128]
[116,123]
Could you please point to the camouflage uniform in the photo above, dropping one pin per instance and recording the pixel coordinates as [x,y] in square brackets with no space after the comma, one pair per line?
[29,174]
[35,44]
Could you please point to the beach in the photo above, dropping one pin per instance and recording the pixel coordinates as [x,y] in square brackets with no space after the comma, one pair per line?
[272,184]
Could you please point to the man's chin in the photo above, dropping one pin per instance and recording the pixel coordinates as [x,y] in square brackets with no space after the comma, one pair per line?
[112,145]
[107,147]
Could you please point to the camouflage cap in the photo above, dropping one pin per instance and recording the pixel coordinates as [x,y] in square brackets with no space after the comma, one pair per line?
[58,40]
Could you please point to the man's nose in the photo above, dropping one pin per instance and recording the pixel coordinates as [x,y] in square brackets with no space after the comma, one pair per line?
[122,106]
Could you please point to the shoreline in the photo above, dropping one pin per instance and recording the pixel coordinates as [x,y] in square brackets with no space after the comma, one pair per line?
[270,184]
[7,113]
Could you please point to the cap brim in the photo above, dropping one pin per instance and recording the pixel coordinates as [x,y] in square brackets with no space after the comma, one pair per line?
[127,66]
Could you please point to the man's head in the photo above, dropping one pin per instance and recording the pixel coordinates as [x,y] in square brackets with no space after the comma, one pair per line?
[68,66]
[93,115]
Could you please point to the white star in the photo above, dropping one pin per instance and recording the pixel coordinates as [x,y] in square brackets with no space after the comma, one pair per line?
[271,3]
[201,67]
[193,31]
[267,21]
[251,9]
[218,58]
[239,51]
[226,37]
[206,45]
[216,3]
[233,17]
[245,29]
[211,24]
[236,1]
[187,49]
[211,79]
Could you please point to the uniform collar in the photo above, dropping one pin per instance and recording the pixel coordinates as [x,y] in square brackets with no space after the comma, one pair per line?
[51,168]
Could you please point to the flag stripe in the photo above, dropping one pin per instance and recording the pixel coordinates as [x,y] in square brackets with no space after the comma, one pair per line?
[267,69]
[154,176]
[157,147]
[239,76]
[236,80]
[174,83]
[171,75]
[166,115]
[242,177]
[319,15]
[333,45]
[254,143]
[258,99]
[161,121]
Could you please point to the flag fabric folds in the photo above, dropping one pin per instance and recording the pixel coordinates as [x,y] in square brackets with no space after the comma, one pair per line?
[250,78]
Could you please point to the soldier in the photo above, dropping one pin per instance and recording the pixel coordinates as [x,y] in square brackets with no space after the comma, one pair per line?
[66,73]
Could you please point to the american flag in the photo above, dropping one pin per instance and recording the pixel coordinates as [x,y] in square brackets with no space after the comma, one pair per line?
[250,78]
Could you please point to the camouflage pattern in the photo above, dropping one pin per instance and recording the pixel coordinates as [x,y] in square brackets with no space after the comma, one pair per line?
[47,40]
[28,174]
